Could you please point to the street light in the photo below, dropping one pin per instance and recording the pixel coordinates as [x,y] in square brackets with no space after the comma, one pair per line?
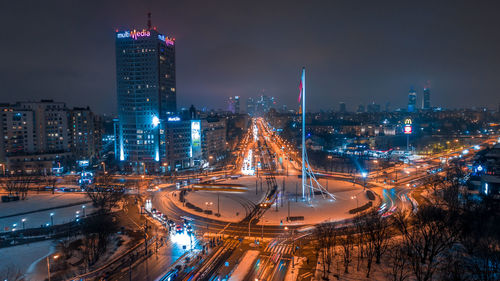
[23,220]
[355,197]
[83,209]
[364,175]
[52,219]
[48,264]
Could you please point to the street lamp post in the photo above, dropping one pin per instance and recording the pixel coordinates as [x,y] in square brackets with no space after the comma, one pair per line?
[23,220]
[364,174]
[218,204]
[83,209]
[48,264]
[355,197]
[52,219]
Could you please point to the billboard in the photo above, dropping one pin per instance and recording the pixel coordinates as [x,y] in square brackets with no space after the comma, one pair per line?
[195,138]
[407,129]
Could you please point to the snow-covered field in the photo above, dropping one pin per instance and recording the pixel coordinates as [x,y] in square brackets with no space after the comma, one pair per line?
[23,256]
[33,220]
[40,201]
[347,197]
[232,204]
[36,202]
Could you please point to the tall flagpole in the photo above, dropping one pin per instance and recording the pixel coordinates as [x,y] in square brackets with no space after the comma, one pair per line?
[303,132]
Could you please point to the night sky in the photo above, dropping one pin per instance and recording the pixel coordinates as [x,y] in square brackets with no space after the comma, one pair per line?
[355,51]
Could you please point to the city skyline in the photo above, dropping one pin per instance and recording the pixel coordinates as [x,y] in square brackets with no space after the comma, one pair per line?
[376,54]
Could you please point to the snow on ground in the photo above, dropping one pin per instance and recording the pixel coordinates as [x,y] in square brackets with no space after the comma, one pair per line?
[293,271]
[244,265]
[356,273]
[23,256]
[347,196]
[40,201]
[234,206]
[33,220]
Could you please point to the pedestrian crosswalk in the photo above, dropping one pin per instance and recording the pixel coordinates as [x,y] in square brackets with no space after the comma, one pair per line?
[277,248]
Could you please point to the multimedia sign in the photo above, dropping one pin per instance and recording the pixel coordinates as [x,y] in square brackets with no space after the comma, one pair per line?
[169,41]
[133,34]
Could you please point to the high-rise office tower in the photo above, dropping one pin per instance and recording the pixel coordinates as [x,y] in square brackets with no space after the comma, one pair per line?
[145,75]
[250,106]
[426,104]
[373,107]
[233,104]
[237,104]
[412,100]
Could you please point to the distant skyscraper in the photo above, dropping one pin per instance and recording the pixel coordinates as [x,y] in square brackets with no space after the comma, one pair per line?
[387,107]
[426,104]
[412,100]
[342,107]
[237,104]
[361,108]
[250,106]
[233,104]
[373,107]
[145,74]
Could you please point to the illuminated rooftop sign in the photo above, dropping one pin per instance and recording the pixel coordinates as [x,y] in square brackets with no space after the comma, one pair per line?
[173,119]
[134,34]
[169,41]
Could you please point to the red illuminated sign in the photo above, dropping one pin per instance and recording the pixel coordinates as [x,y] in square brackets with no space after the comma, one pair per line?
[407,129]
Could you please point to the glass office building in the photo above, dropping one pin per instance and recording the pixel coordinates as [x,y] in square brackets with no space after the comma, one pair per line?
[145,74]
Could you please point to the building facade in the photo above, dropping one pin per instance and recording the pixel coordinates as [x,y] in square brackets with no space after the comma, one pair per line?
[426,104]
[37,137]
[412,100]
[146,81]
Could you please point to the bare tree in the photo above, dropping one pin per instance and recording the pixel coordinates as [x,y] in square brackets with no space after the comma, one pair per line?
[326,237]
[51,181]
[24,185]
[346,242]
[104,195]
[397,264]
[425,237]
[18,186]
[360,223]
[11,185]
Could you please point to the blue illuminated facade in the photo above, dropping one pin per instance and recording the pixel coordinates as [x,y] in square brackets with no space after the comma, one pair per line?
[146,90]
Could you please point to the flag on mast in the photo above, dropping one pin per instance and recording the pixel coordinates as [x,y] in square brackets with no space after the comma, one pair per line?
[300,89]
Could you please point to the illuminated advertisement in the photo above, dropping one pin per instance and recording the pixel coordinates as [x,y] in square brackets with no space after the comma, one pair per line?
[407,129]
[195,137]
[83,163]
[134,34]
[169,41]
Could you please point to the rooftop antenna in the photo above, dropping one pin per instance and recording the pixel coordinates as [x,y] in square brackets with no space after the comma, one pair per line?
[149,20]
